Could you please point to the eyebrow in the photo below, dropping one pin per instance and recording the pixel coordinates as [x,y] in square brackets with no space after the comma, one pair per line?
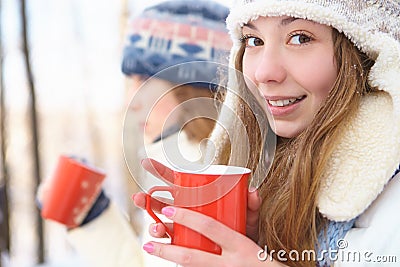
[287,21]
[284,22]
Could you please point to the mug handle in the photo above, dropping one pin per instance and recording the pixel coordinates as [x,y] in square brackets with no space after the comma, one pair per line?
[149,209]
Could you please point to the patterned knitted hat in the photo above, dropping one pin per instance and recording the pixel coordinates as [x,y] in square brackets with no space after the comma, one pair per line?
[373,135]
[175,32]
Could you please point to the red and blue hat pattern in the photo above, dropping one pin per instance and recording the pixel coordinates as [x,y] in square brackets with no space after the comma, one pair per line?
[177,32]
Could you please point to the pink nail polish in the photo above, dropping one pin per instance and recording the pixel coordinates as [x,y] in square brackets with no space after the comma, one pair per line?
[148,247]
[154,228]
[168,211]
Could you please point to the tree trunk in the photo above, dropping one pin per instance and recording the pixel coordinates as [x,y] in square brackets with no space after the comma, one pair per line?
[34,126]
[4,208]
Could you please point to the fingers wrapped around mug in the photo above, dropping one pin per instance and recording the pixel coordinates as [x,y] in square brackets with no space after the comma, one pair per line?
[253,206]
[139,199]
[237,249]
[158,230]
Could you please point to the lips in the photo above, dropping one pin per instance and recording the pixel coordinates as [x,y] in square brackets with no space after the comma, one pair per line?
[284,102]
[283,106]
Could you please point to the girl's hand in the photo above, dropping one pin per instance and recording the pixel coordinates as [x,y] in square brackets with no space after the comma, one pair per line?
[237,249]
[155,229]
[158,229]
[163,172]
[139,199]
[253,213]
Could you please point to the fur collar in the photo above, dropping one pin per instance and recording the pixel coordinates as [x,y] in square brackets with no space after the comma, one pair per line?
[363,161]
[369,151]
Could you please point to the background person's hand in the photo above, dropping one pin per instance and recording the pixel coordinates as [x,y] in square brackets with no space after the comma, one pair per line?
[41,192]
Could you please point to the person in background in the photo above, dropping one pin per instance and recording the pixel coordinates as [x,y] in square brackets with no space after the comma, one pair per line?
[162,43]
[328,71]
[166,60]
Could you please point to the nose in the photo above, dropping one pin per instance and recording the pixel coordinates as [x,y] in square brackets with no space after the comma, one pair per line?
[270,67]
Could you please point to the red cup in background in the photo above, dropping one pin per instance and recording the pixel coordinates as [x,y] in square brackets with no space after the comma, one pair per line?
[220,192]
[72,191]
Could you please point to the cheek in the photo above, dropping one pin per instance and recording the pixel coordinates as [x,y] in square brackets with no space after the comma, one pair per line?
[323,75]
[248,69]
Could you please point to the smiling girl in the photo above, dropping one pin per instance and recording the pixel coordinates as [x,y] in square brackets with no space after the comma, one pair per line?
[328,73]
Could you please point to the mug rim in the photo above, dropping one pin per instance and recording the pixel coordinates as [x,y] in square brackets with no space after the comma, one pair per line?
[214,169]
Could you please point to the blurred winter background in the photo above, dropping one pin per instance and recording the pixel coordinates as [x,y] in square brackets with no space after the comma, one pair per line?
[78,91]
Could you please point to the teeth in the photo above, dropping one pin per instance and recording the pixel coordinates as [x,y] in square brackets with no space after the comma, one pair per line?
[283,102]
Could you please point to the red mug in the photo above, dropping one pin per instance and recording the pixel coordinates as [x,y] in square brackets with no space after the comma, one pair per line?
[72,190]
[219,191]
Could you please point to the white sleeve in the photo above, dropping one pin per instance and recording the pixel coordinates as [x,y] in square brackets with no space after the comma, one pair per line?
[108,241]
[375,240]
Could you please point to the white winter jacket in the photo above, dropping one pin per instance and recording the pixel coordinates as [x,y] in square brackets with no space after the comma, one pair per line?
[375,239]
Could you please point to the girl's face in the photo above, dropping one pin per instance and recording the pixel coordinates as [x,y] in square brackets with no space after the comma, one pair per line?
[292,63]
[153,105]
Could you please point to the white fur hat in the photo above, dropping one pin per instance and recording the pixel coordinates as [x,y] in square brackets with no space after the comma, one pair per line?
[359,20]
[369,152]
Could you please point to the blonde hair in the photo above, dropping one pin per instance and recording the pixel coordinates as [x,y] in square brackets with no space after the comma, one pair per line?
[289,217]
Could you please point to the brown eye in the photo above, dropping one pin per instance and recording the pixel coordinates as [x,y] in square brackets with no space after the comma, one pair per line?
[253,41]
[299,39]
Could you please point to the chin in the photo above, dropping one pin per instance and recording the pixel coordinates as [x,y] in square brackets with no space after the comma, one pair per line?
[287,133]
